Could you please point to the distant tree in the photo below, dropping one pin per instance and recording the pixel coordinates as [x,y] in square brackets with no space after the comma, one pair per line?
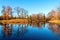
[18,10]
[9,11]
[37,18]
[22,13]
[3,10]
[40,17]
[58,10]
[53,15]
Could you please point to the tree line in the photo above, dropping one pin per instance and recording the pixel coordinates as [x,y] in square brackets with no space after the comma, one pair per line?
[7,13]
[54,14]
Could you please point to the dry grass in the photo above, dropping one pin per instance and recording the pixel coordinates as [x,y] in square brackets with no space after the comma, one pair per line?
[14,21]
[54,21]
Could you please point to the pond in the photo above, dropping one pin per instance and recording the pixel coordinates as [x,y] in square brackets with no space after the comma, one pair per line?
[32,31]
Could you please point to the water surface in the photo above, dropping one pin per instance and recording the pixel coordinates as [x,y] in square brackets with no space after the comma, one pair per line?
[39,31]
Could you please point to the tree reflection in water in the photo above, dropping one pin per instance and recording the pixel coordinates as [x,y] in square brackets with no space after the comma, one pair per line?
[38,25]
[22,29]
[7,30]
[19,30]
[54,27]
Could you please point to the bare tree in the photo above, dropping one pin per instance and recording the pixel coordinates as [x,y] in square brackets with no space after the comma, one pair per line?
[9,10]
[22,13]
[58,10]
[18,11]
[3,10]
[53,15]
[6,12]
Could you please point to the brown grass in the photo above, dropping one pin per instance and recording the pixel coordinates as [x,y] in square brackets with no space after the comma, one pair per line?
[54,21]
[12,21]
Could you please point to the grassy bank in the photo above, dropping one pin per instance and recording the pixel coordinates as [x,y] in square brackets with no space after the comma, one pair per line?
[14,21]
[54,21]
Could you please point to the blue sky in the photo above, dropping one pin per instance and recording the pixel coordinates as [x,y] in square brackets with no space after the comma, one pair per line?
[33,6]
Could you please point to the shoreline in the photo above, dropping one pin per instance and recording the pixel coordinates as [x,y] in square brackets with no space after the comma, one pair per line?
[54,21]
[14,21]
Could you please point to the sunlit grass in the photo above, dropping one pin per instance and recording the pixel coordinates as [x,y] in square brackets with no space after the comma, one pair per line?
[13,21]
[55,21]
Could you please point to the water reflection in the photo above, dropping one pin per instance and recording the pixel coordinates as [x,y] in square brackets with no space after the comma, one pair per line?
[54,27]
[14,30]
[38,25]
[18,30]
[21,31]
[7,30]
